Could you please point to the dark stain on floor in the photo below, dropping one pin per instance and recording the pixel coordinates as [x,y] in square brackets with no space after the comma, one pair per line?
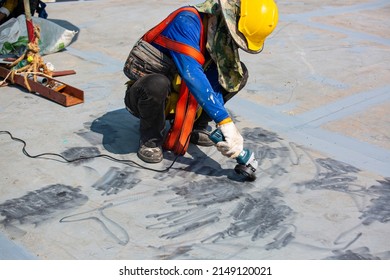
[39,205]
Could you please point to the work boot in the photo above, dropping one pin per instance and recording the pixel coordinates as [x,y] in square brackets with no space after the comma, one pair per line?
[200,133]
[200,136]
[150,151]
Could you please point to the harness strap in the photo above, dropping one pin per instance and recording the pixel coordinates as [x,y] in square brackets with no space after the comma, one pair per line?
[186,107]
[180,48]
[154,35]
[172,142]
[187,125]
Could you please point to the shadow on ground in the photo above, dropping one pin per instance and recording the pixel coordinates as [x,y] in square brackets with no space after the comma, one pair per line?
[120,133]
[119,130]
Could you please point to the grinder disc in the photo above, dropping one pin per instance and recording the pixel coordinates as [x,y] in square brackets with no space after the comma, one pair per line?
[246,172]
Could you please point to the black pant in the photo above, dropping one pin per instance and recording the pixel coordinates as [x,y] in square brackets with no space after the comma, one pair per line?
[146,100]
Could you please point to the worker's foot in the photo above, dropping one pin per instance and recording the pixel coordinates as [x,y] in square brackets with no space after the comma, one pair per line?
[150,151]
[200,137]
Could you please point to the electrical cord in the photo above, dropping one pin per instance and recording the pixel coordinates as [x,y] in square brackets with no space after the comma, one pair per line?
[123,161]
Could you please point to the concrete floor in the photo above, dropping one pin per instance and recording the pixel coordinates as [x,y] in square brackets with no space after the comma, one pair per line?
[315,112]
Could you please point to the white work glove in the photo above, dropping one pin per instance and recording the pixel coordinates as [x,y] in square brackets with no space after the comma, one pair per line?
[233,144]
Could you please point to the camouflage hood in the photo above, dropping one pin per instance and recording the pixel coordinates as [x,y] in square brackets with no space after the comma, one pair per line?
[221,46]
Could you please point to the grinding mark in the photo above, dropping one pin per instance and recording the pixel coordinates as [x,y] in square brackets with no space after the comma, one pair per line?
[112,228]
[259,217]
[336,176]
[268,146]
[185,221]
[357,254]
[379,210]
[277,157]
[84,154]
[206,192]
[295,156]
[207,195]
[265,216]
[117,180]
[258,134]
[177,253]
[339,241]
[40,205]
[285,236]
[337,167]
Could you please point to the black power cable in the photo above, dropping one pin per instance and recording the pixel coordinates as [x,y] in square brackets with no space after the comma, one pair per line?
[124,161]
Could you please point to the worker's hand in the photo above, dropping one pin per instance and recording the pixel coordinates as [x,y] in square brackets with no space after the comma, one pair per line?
[233,144]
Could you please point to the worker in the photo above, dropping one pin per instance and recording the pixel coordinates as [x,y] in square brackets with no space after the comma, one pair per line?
[227,26]
[14,8]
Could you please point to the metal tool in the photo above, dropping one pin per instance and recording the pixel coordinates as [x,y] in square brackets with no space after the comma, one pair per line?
[246,162]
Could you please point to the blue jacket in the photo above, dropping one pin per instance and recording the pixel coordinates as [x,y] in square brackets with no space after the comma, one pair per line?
[202,84]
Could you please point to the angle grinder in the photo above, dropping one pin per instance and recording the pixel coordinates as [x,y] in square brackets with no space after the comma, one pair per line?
[246,162]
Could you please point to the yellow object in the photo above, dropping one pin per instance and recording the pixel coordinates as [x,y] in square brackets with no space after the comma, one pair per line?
[173,96]
[176,82]
[10,5]
[258,19]
[227,120]
[30,59]
[170,105]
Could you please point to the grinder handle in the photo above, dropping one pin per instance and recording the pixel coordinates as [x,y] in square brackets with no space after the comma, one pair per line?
[216,136]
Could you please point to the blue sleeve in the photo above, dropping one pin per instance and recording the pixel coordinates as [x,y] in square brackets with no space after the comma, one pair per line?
[185,28]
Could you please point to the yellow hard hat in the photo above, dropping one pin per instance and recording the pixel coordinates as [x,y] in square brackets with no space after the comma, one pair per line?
[257,20]
[249,21]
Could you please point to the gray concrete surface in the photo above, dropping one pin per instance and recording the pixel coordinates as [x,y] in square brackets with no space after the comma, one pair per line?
[315,112]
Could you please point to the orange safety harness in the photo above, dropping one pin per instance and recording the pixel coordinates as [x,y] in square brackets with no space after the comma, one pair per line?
[186,107]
